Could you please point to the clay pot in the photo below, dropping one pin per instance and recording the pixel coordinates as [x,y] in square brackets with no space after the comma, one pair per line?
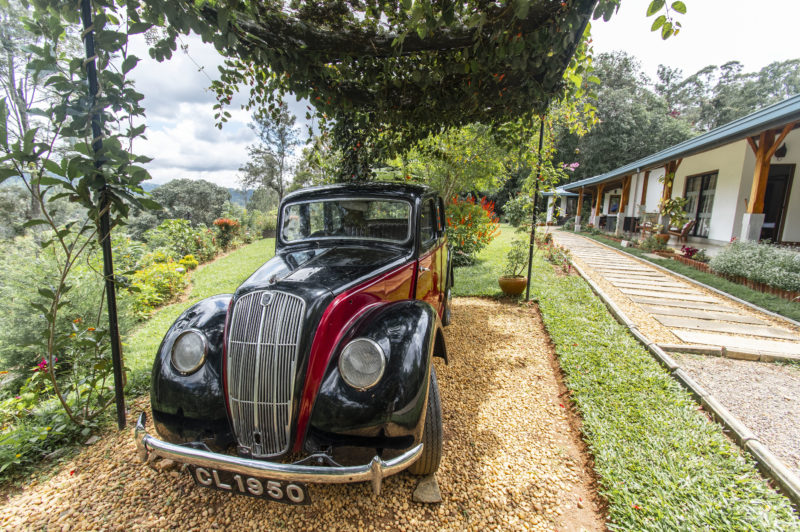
[512,286]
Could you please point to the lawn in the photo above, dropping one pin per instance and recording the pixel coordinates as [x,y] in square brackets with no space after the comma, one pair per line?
[662,465]
[480,279]
[221,276]
[778,305]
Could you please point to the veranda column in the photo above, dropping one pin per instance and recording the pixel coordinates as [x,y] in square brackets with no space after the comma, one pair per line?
[753,218]
[578,214]
[623,204]
[669,178]
[598,204]
[550,204]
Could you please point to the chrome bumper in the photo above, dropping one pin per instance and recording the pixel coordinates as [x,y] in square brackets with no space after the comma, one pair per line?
[375,471]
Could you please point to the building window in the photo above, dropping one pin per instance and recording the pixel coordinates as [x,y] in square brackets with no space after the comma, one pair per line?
[699,194]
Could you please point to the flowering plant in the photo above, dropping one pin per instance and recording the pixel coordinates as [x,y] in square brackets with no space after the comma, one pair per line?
[227,230]
[471,226]
[689,251]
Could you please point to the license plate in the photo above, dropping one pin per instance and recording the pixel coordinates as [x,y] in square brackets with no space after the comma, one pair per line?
[263,488]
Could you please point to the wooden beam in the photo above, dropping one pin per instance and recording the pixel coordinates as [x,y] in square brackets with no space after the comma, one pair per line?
[759,188]
[626,192]
[580,203]
[752,144]
[777,142]
[644,187]
[598,201]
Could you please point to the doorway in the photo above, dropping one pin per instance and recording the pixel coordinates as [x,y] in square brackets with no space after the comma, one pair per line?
[776,197]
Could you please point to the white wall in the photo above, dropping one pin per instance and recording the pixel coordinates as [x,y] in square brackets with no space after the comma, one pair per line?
[729,163]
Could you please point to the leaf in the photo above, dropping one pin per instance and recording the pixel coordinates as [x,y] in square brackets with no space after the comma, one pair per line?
[666,31]
[44,180]
[654,7]
[657,23]
[679,6]
[407,4]
[6,173]
[3,123]
[46,292]
[37,221]
[521,8]
[129,63]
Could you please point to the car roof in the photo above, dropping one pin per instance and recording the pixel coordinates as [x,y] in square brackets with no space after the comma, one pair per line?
[393,190]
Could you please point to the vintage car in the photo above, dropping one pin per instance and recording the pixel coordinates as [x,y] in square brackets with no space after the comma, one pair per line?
[327,347]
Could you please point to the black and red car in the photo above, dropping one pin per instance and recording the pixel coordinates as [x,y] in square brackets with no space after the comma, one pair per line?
[327,346]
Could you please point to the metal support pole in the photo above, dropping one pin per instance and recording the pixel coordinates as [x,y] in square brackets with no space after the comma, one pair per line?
[105,217]
[535,197]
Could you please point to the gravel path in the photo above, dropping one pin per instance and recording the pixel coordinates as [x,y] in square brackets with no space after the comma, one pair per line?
[766,397]
[512,459]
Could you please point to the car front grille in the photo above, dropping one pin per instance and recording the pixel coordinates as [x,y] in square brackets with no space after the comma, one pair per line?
[262,352]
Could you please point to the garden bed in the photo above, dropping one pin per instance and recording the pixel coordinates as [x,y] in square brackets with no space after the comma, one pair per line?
[662,464]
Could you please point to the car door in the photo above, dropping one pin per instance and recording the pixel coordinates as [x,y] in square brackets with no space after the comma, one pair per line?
[429,264]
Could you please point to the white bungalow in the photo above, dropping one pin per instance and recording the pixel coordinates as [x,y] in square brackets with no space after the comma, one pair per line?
[738,180]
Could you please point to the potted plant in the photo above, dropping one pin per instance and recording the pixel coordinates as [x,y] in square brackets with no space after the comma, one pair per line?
[513,283]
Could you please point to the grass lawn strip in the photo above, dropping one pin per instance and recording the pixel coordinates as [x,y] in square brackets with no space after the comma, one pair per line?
[662,464]
[775,304]
[480,279]
[222,276]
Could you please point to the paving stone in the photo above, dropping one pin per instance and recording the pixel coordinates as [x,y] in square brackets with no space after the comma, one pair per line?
[733,328]
[772,346]
[703,314]
[645,281]
[696,305]
[655,287]
[667,295]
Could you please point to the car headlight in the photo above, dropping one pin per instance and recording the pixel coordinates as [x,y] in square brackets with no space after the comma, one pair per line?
[189,351]
[361,363]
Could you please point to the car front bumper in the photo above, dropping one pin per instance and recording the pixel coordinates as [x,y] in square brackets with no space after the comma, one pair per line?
[375,471]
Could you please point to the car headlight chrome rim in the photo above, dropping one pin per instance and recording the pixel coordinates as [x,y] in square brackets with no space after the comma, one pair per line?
[362,363]
[189,351]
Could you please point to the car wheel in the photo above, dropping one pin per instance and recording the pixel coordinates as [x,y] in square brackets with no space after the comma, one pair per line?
[428,462]
[447,313]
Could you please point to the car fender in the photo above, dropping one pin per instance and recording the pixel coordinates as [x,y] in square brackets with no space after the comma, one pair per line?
[407,332]
[186,406]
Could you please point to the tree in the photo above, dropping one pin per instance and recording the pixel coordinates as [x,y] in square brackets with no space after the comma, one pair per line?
[633,121]
[196,200]
[24,88]
[716,95]
[270,160]
[457,160]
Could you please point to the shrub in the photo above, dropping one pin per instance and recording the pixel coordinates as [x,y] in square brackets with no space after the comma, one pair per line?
[156,285]
[177,238]
[773,265]
[569,225]
[651,243]
[227,230]
[189,262]
[518,211]
[517,259]
[470,228]
[261,223]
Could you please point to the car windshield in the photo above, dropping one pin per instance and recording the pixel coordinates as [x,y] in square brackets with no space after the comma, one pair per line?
[371,219]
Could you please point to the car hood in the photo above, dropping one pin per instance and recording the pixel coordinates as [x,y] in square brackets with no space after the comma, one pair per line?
[319,270]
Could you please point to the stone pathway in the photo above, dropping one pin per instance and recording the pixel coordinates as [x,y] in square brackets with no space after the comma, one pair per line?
[692,314]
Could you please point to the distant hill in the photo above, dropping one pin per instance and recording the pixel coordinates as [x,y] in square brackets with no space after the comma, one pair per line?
[238,197]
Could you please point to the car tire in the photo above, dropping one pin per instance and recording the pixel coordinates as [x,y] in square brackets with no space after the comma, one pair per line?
[428,462]
[447,312]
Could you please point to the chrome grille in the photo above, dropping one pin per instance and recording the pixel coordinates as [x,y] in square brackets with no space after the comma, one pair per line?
[261,360]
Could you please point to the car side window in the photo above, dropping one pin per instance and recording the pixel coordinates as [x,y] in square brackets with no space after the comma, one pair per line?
[427,224]
[442,217]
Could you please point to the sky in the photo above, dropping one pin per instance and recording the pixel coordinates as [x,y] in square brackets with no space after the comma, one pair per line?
[182,138]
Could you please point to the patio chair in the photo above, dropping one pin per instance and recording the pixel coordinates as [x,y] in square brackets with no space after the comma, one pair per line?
[683,232]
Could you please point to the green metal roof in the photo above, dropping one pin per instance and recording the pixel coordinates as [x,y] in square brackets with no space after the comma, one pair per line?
[771,117]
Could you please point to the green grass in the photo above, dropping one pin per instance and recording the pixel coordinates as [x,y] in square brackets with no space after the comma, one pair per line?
[480,279]
[662,465]
[778,305]
[221,276]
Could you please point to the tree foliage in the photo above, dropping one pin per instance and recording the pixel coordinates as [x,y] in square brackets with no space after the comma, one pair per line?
[633,120]
[716,95]
[270,163]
